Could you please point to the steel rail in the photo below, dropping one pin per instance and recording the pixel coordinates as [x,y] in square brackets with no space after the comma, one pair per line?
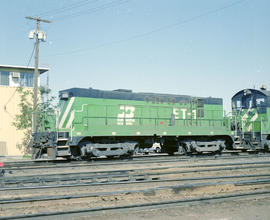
[175,188]
[142,205]
[103,161]
[166,167]
[79,177]
[132,181]
[141,157]
[124,173]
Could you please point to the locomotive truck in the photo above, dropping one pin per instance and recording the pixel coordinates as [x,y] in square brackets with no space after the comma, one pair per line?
[93,123]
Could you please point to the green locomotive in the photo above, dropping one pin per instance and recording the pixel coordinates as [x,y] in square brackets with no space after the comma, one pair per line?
[91,122]
[250,119]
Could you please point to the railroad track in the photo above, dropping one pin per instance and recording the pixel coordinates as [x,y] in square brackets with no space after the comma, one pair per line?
[44,164]
[125,175]
[121,188]
[148,193]
[164,204]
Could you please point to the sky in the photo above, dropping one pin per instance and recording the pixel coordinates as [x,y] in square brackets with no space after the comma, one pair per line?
[189,47]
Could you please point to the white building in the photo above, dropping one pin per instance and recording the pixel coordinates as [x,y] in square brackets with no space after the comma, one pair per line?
[10,78]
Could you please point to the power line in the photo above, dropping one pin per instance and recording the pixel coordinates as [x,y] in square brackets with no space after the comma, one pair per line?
[31,55]
[66,8]
[95,9]
[158,29]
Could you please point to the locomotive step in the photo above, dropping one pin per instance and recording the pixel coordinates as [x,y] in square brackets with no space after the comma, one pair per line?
[62,139]
[62,147]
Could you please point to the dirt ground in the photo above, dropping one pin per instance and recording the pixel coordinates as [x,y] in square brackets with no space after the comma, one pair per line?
[238,209]
[251,208]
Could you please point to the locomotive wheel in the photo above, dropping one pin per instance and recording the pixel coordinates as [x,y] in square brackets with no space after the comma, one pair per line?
[136,150]
[222,146]
[181,150]
[267,147]
[158,150]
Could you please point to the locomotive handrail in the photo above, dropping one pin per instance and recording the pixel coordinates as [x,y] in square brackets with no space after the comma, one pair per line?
[186,122]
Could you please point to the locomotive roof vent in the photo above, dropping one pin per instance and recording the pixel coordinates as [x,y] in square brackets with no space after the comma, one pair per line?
[122,90]
[263,87]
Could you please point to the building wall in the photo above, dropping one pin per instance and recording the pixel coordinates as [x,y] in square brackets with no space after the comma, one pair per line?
[9,136]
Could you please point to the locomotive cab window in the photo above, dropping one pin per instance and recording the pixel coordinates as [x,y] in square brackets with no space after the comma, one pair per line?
[237,103]
[243,102]
[247,102]
[261,104]
[250,100]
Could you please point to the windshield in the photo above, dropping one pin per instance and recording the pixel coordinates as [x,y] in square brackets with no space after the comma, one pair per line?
[248,101]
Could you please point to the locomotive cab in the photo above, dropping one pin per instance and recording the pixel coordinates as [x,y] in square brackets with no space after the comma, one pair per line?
[249,99]
[251,112]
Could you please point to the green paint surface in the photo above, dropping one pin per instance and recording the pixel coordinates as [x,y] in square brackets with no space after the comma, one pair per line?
[113,117]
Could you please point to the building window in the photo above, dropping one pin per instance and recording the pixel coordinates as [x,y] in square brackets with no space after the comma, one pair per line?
[4,78]
[26,79]
[15,80]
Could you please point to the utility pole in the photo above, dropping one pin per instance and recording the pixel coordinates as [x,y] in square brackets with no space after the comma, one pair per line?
[39,36]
